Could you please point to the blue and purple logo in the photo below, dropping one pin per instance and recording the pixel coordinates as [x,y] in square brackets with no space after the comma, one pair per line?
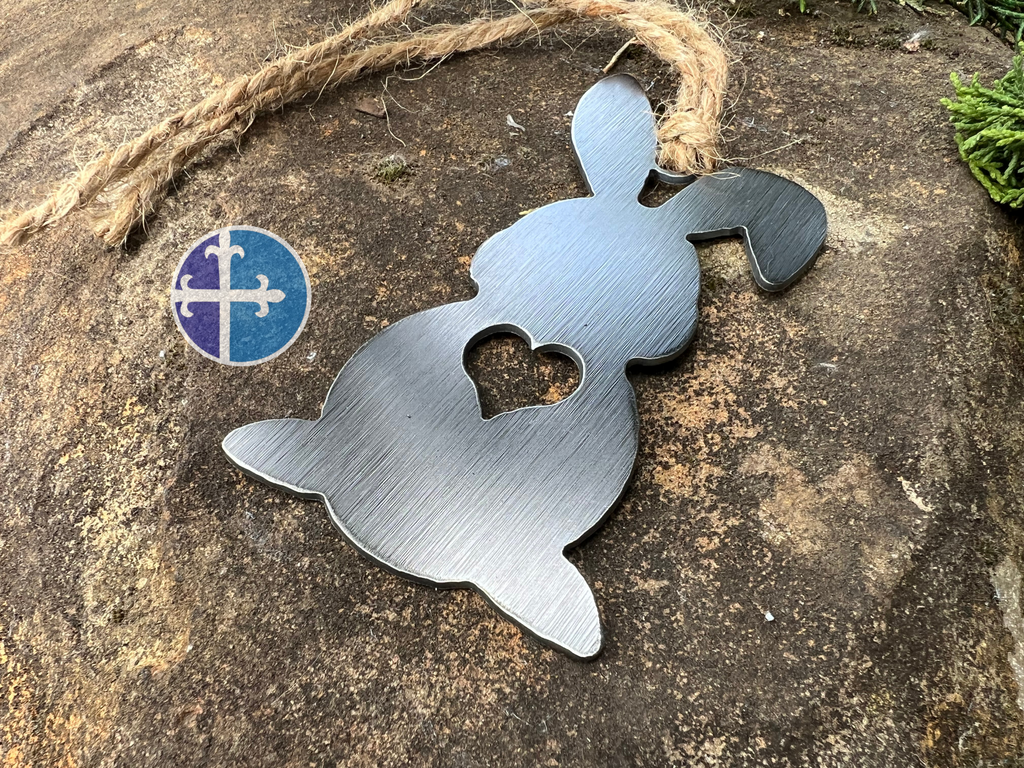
[241,296]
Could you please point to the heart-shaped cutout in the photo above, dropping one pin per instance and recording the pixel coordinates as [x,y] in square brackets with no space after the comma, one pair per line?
[509,375]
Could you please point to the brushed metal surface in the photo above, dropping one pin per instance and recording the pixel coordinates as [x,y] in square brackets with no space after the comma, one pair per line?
[421,483]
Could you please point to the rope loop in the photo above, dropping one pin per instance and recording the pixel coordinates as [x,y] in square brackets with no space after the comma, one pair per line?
[125,184]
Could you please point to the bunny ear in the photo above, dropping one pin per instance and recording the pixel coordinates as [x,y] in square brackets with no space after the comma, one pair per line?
[614,138]
[783,224]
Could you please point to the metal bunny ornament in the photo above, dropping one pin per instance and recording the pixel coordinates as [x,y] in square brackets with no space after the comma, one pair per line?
[422,484]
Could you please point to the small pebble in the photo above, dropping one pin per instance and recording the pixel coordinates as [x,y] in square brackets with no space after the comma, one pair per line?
[370,106]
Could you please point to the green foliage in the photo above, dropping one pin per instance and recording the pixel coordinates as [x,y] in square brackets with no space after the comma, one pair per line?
[391,168]
[1006,15]
[989,125]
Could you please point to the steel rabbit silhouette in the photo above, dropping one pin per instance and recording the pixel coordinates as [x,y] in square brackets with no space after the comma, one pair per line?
[421,483]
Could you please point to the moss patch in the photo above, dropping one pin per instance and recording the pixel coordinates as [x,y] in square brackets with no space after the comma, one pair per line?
[390,169]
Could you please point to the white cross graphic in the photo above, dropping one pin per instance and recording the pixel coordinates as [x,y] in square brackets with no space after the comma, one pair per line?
[225,295]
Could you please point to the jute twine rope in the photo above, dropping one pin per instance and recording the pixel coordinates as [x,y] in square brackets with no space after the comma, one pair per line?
[124,184]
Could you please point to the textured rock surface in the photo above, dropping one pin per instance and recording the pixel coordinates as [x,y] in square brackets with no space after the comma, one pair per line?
[845,457]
